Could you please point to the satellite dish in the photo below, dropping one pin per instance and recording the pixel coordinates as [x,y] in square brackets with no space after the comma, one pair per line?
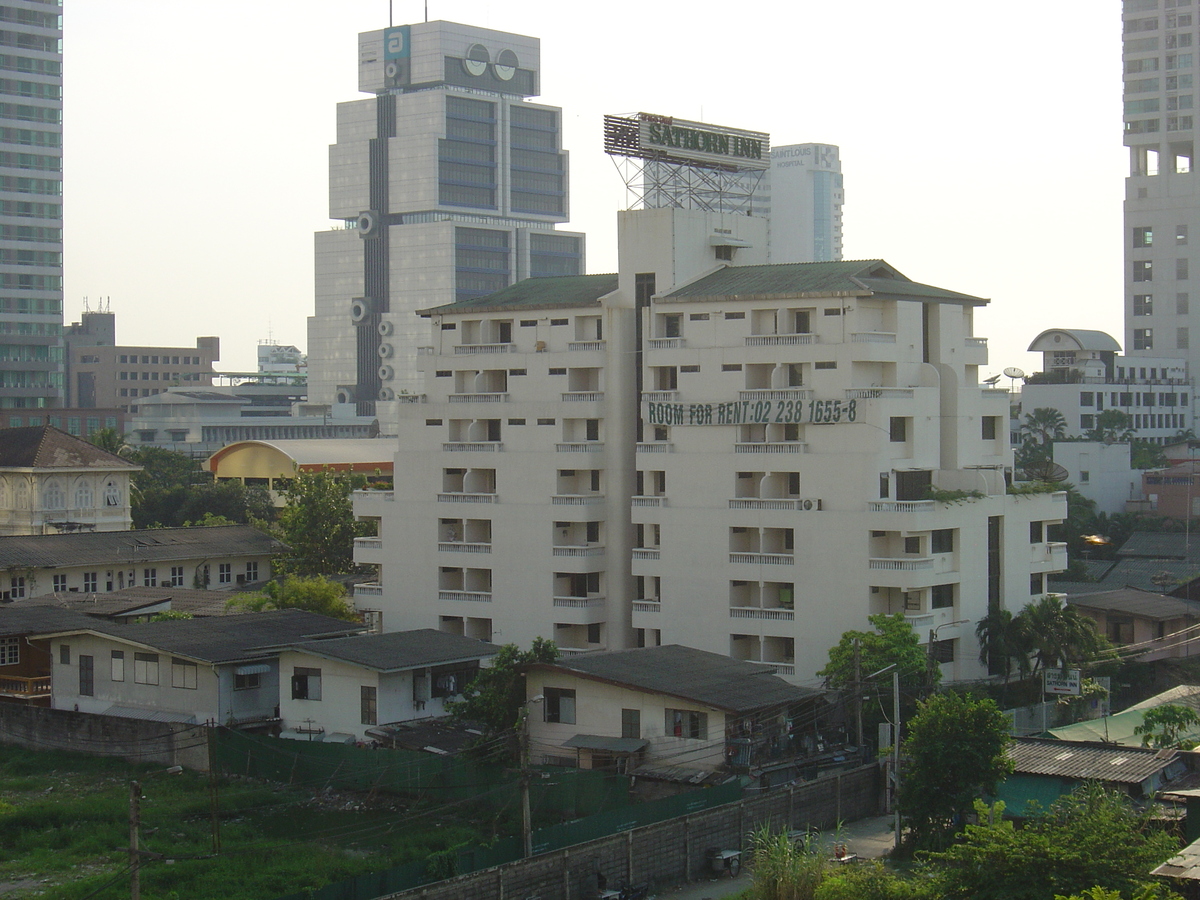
[1047,470]
[991,380]
[1014,372]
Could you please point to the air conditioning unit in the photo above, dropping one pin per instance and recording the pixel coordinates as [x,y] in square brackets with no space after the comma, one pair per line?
[360,309]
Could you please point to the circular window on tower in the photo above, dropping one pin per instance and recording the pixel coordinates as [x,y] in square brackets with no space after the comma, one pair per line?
[506,65]
[476,60]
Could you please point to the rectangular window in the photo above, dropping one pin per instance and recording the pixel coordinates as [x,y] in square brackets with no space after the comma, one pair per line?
[225,573]
[145,668]
[1143,236]
[941,596]
[1181,235]
[306,683]
[942,540]
[251,571]
[64,654]
[10,651]
[1088,421]
[1037,584]
[1181,338]
[897,429]
[117,665]
[912,545]
[1143,304]
[1181,269]
[1143,339]
[176,576]
[559,705]
[1087,398]
[631,723]
[686,723]
[1036,532]
[246,682]
[368,705]
[87,676]
[825,364]
[149,577]
[1143,270]
[16,586]
[60,583]
[943,651]
[184,674]
[989,428]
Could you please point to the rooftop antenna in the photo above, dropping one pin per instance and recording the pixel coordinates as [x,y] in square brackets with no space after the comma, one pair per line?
[390,23]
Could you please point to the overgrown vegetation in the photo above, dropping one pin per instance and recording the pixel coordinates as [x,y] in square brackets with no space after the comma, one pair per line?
[314,594]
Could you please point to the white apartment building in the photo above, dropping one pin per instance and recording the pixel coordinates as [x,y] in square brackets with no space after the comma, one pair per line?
[445,185]
[707,450]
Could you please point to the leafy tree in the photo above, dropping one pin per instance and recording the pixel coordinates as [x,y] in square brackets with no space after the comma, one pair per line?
[1112,426]
[1059,633]
[1147,455]
[110,440]
[1003,642]
[956,751]
[318,523]
[1162,726]
[315,594]
[494,699]
[171,615]
[160,490]
[1090,838]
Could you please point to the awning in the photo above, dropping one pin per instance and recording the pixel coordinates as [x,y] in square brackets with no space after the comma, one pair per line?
[609,744]
[150,715]
[725,240]
[252,669]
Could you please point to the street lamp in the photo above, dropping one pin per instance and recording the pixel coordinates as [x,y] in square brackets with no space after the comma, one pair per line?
[135,821]
[933,640]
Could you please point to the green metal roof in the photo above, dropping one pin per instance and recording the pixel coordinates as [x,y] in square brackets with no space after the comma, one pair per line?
[538,293]
[872,276]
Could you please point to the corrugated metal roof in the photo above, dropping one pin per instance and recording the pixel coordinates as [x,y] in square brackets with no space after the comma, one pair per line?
[1184,864]
[872,276]
[706,678]
[46,551]
[46,447]
[1135,602]
[127,601]
[399,650]
[22,618]
[1141,573]
[1090,762]
[609,744]
[150,715]
[1161,545]
[538,293]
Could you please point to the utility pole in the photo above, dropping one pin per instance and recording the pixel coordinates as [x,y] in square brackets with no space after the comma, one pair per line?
[858,693]
[135,821]
[526,818]
[896,752]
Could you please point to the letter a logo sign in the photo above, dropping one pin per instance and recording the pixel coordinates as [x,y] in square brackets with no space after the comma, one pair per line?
[395,43]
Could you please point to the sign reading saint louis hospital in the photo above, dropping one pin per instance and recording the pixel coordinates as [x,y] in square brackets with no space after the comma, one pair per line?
[752,412]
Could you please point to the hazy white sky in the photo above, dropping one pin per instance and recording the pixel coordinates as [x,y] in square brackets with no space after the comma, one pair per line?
[980,142]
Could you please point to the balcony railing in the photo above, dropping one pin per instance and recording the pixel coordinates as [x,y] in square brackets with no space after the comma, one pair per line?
[585,345]
[578,602]
[921,564]
[764,447]
[464,547]
[488,397]
[411,398]
[469,596]
[580,447]
[873,337]
[776,394]
[577,500]
[979,342]
[582,396]
[671,343]
[781,668]
[781,340]
[647,606]
[919,621]
[425,351]
[387,496]
[656,447]
[368,589]
[756,612]
[766,559]
[368,543]
[472,447]
[471,349]
[20,686]
[649,501]
[461,497]
[806,504]
[593,550]
[903,506]
[879,393]
[646,552]
[660,395]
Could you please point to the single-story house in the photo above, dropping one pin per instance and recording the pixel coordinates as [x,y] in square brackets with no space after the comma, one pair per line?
[1120,728]
[668,707]
[219,557]
[348,686]
[1160,625]
[25,658]
[222,669]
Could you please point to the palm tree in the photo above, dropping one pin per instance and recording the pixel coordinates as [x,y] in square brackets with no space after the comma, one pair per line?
[1112,427]
[1002,642]
[1044,424]
[1058,633]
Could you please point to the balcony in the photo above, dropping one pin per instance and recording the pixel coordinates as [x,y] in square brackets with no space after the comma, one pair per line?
[577,500]
[463,547]
[879,393]
[776,394]
[975,351]
[795,503]
[579,610]
[873,337]
[651,607]
[580,447]
[472,447]
[917,564]
[656,447]
[901,506]
[479,398]
[473,349]
[670,343]
[369,551]
[426,351]
[374,496]
[782,668]
[468,596]
[1050,556]
[368,589]
[764,559]
[764,447]
[579,602]
[755,612]
[649,501]
[24,688]
[411,398]
[591,550]
[781,340]
[660,396]
[920,621]
[585,345]
[582,396]
[460,497]
[368,543]
[646,553]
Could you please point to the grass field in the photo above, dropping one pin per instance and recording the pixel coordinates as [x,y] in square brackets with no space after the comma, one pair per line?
[64,832]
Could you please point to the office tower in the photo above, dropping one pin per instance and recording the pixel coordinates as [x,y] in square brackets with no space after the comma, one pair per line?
[31,294]
[804,203]
[445,185]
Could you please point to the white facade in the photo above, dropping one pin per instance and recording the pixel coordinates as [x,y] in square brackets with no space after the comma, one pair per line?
[1100,472]
[446,185]
[768,494]
[804,203]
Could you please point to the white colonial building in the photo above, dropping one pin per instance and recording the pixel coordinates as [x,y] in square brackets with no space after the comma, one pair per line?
[706,450]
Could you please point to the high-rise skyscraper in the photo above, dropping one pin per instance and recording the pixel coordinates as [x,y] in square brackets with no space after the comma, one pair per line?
[445,185]
[31,297]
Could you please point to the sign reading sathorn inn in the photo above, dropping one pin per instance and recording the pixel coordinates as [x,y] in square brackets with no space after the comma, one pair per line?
[668,139]
[752,412]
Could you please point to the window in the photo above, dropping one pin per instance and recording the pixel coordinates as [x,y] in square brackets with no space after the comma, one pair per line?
[306,683]
[251,571]
[1143,270]
[941,596]
[64,654]
[16,586]
[117,665]
[224,573]
[1143,236]
[559,705]
[1143,339]
[149,577]
[1088,421]
[145,668]
[897,429]
[1181,235]
[1037,584]
[1036,533]
[368,705]
[176,576]
[87,676]
[60,583]
[1181,338]
[1143,304]
[631,723]
[943,651]
[1085,477]
[10,651]
[1181,304]
[825,365]
[686,723]
[912,545]
[942,540]
[184,674]
[1087,398]
[247,682]
[988,427]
